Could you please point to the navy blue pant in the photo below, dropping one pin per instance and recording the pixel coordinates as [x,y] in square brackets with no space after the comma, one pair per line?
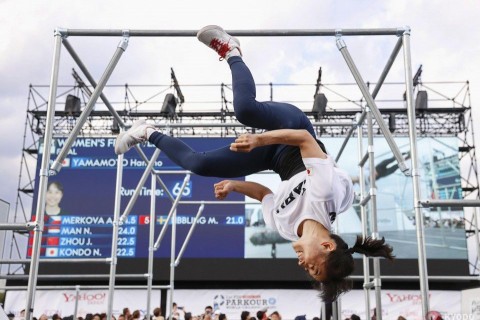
[262,115]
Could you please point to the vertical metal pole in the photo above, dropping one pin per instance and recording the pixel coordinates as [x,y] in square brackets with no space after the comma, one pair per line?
[43,179]
[373,215]
[335,311]
[77,294]
[151,240]
[172,260]
[122,46]
[422,257]
[324,311]
[116,226]
[475,217]
[363,213]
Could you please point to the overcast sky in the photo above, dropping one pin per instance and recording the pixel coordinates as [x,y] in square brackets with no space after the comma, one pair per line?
[445,39]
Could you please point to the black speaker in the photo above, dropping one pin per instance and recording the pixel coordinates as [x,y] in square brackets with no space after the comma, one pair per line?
[421,103]
[72,105]
[169,104]
[392,126]
[320,105]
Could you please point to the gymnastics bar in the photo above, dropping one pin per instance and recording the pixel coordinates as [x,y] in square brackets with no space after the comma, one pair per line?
[450,203]
[18,226]
[372,105]
[363,213]
[379,84]
[122,46]
[43,177]
[239,33]
[415,173]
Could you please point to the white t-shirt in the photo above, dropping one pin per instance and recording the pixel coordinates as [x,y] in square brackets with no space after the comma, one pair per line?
[319,193]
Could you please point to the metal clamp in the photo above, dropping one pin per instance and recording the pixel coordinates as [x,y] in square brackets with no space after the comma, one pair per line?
[124,42]
[338,33]
[377,282]
[340,43]
[62,32]
[375,235]
[406,31]
[373,192]
[44,173]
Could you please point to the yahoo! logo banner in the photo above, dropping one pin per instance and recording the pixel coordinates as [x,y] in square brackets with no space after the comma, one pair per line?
[89,297]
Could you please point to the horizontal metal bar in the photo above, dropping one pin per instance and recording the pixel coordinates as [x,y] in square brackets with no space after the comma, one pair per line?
[435,278]
[17,226]
[172,172]
[81,287]
[365,200]
[364,159]
[22,261]
[217,202]
[240,125]
[450,203]
[242,33]
[71,276]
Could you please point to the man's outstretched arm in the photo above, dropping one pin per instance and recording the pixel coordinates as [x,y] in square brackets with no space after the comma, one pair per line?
[251,189]
[309,147]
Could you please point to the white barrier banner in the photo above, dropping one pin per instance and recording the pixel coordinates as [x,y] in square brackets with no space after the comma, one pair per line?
[62,302]
[471,303]
[406,303]
[289,303]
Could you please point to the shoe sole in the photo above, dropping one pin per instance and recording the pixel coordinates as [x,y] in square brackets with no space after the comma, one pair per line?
[218,28]
[208,28]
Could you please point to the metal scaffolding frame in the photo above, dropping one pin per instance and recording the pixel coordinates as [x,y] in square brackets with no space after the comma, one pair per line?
[60,36]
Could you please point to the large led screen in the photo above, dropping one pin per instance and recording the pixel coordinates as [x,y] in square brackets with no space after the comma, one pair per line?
[80,204]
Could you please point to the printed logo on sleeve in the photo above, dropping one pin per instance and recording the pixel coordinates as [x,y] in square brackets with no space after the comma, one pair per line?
[310,171]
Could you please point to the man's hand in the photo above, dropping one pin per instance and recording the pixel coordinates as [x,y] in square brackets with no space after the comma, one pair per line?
[245,143]
[223,188]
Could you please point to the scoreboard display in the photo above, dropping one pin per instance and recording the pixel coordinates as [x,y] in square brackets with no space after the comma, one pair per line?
[78,222]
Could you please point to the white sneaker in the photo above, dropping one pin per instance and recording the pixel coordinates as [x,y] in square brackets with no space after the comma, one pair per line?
[220,41]
[136,134]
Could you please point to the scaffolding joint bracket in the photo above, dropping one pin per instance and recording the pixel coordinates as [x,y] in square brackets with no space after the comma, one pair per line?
[404,31]
[377,282]
[62,32]
[124,42]
[340,43]
[375,236]
[44,173]
[33,226]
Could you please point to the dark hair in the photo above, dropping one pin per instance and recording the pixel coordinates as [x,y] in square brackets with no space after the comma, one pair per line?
[354,317]
[339,263]
[157,311]
[222,316]
[56,184]
[244,315]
